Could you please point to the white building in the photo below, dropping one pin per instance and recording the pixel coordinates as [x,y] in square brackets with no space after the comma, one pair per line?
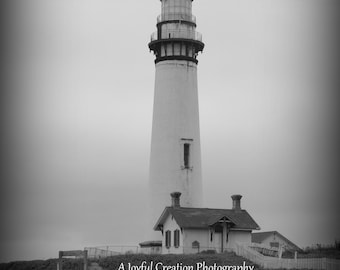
[193,230]
[273,239]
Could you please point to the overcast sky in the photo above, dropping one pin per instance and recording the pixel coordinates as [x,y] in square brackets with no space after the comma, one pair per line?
[78,111]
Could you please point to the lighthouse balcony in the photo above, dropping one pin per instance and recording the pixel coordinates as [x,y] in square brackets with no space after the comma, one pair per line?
[176,17]
[177,34]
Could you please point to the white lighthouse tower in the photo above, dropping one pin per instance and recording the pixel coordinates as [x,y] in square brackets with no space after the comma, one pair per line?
[175,161]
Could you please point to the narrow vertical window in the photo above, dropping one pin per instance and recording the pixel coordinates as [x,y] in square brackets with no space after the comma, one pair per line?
[176,238]
[167,239]
[186,155]
[186,146]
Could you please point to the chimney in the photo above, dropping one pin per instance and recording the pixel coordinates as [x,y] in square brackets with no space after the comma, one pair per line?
[175,199]
[236,202]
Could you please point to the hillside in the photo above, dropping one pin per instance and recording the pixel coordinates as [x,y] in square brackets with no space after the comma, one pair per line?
[113,263]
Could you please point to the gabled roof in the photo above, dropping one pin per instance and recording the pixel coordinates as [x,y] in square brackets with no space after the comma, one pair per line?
[259,237]
[197,218]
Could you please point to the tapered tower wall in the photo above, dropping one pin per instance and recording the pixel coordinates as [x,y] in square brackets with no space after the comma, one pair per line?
[175,160]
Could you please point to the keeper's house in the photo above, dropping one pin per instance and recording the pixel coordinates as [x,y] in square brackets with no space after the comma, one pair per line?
[192,230]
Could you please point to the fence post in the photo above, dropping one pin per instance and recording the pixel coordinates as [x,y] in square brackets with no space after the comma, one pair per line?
[280,251]
[324,263]
[85,259]
[60,261]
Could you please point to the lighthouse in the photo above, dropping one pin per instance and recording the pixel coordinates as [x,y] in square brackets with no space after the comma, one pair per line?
[175,159]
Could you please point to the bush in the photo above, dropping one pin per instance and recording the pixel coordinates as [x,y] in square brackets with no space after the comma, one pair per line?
[209,251]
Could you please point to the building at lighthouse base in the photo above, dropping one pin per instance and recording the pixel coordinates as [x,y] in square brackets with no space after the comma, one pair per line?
[187,230]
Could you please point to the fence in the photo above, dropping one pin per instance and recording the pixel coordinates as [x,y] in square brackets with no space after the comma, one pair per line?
[241,250]
[265,250]
[279,263]
[109,251]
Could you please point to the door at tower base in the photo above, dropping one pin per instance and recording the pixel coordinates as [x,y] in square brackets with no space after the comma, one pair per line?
[188,230]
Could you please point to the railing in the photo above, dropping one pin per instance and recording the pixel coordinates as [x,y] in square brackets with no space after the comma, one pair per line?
[176,16]
[195,250]
[265,250]
[279,263]
[186,34]
[110,251]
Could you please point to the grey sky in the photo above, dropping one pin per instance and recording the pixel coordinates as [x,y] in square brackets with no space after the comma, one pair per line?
[79,110]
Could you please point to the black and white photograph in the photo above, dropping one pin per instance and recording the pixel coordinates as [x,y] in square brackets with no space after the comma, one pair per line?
[169,135]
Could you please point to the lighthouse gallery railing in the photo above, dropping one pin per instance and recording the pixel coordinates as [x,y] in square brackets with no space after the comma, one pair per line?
[185,34]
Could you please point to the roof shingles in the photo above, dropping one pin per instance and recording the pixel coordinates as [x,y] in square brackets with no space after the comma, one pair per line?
[205,217]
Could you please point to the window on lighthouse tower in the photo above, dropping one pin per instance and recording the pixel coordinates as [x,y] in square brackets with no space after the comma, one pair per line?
[186,155]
